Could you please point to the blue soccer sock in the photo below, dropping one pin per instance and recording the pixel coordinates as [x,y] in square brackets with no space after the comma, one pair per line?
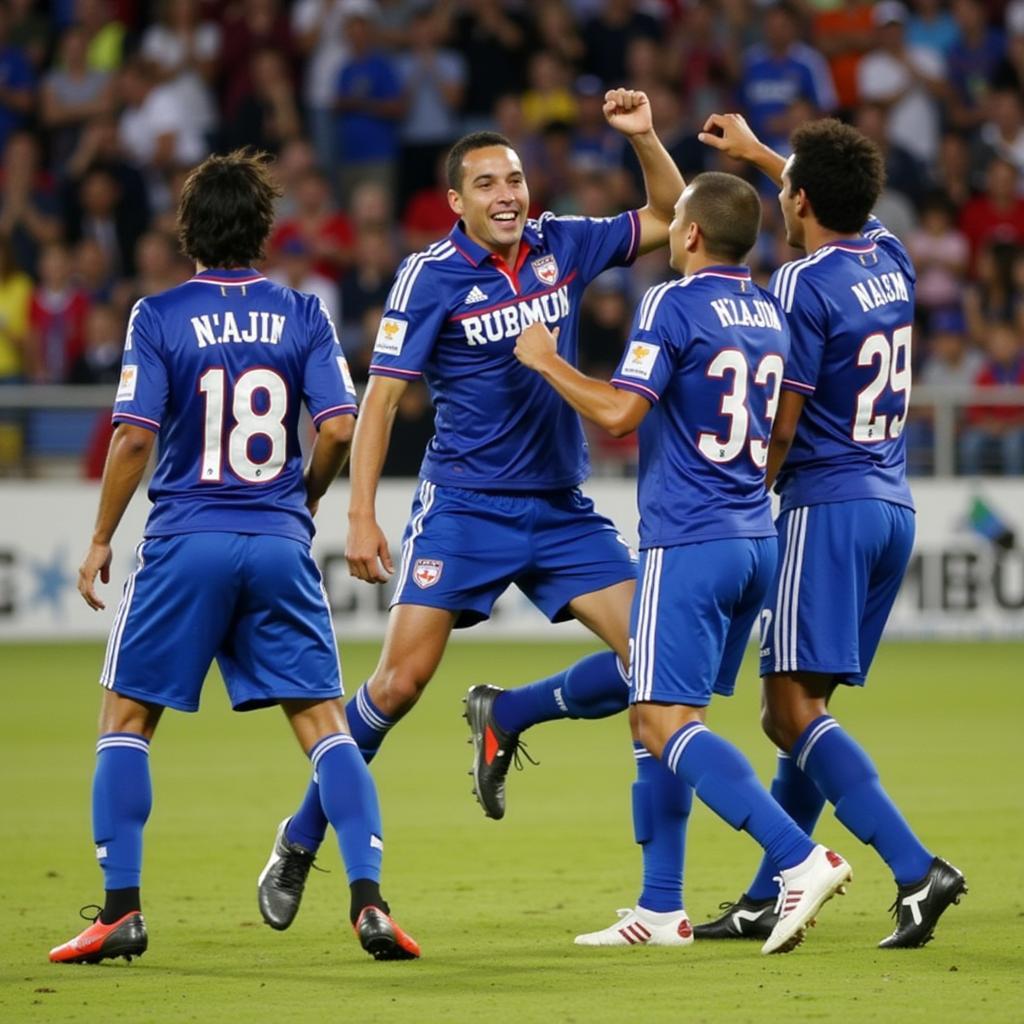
[661,810]
[368,726]
[594,687]
[725,781]
[845,774]
[801,799]
[122,797]
[349,799]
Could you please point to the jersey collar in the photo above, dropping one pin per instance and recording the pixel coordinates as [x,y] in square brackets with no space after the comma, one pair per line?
[730,270]
[477,254]
[237,275]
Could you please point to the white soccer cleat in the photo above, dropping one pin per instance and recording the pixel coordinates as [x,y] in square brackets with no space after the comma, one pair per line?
[639,927]
[805,889]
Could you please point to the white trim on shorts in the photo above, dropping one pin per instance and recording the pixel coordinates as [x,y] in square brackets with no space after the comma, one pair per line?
[642,669]
[787,601]
[427,492]
[109,673]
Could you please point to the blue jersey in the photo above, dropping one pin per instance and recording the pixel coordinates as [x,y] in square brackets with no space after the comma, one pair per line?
[708,352]
[453,316]
[850,307]
[219,366]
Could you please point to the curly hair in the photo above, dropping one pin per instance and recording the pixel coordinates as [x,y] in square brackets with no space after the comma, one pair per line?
[841,171]
[226,209]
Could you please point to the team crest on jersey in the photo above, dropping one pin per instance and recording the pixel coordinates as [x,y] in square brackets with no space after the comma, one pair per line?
[640,360]
[126,386]
[390,336]
[426,572]
[546,269]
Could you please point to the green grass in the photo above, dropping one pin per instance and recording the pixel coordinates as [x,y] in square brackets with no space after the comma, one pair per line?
[496,904]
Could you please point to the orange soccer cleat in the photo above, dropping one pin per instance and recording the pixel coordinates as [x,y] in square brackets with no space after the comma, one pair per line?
[125,937]
[382,938]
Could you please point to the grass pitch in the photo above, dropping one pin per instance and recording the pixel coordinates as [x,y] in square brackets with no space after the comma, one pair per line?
[496,904]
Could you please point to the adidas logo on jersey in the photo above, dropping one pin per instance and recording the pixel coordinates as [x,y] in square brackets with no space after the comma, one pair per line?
[475,295]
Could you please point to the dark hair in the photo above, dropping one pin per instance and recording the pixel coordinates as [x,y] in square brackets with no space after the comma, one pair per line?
[727,210]
[226,209]
[475,140]
[841,171]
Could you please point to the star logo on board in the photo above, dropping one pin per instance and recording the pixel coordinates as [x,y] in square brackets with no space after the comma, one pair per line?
[51,580]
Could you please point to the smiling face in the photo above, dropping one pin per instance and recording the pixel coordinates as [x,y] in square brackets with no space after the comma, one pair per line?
[493,200]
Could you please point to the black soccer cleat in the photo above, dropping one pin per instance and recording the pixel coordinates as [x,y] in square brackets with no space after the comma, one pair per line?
[919,906]
[744,919]
[382,938]
[124,937]
[494,749]
[283,880]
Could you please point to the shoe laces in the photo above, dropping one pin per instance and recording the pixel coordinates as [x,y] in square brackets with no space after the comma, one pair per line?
[895,908]
[84,914]
[517,760]
[294,869]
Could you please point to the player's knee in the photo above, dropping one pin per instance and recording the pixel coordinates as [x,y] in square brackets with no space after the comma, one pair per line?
[779,727]
[395,689]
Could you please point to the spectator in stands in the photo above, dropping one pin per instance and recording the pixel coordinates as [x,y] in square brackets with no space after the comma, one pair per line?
[907,80]
[183,49]
[558,33]
[366,287]
[940,253]
[903,171]
[17,81]
[1010,71]
[997,216]
[493,41]
[268,117]
[433,79]
[594,142]
[56,319]
[951,172]
[427,215]
[372,209]
[973,61]
[932,27]
[369,105]
[844,33]
[706,64]
[30,31]
[1002,134]
[295,267]
[605,318]
[99,213]
[952,361]
[15,300]
[100,360]
[607,35]
[994,435]
[780,70]
[159,266]
[327,232]
[249,26]
[71,94]
[92,272]
[104,31]
[28,202]
[296,158]
[548,98]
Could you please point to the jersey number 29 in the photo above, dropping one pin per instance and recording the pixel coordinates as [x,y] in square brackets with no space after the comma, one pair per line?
[734,405]
[248,424]
[869,426]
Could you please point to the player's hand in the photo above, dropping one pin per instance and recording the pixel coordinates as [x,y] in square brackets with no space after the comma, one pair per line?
[97,560]
[730,134]
[367,552]
[628,111]
[535,345]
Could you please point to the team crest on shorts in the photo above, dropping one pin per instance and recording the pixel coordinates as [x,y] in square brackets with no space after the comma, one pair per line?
[426,572]
[546,269]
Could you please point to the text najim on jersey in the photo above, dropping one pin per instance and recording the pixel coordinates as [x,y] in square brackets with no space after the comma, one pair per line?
[708,352]
[453,317]
[850,307]
[220,366]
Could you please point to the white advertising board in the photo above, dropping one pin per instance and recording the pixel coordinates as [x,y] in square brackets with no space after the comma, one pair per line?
[966,578]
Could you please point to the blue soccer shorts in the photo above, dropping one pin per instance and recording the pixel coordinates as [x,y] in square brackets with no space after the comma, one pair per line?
[692,617]
[255,603]
[840,568]
[462,549]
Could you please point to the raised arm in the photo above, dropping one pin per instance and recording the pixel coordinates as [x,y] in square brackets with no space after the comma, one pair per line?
[618,412]
[367,550]
[629,112]
[730,134]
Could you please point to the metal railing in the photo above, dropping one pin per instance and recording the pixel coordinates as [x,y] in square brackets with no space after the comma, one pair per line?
[945,405]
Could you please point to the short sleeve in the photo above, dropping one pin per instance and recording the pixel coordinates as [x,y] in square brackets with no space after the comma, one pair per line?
[807,318]
[885,239]
[327,387]
[647,364]
[600,242]
[143,388]
[411,323]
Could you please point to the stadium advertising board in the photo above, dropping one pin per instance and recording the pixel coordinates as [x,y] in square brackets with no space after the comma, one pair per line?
[966,577]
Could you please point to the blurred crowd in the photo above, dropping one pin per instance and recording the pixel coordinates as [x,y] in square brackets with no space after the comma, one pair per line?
[105,104]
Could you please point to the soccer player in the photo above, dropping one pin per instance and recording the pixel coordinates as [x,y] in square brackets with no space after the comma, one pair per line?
[700,378]
[217,369]
[838,456]
[498,502]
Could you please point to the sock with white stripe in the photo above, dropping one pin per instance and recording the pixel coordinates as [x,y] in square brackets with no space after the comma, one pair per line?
[122,797]
[349,799]
[595,687]
[847,777]
[724,779]
[801,799]
[661,810]
[368,726]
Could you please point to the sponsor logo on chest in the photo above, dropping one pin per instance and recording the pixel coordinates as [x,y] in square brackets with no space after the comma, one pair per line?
[510,321]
